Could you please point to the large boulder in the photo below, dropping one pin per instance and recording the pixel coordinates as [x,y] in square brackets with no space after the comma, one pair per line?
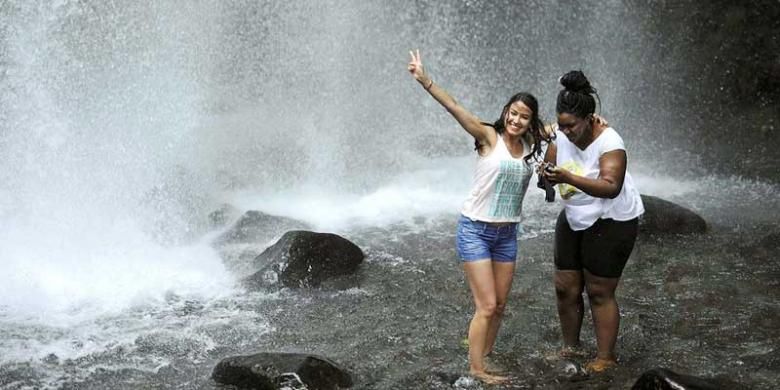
[664,379]
[305,259]
[255,226]
[663,217]
[271,370]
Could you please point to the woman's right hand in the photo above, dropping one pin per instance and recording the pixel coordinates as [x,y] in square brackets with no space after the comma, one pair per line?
[416,68]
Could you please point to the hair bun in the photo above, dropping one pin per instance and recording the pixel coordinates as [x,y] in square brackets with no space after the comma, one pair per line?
[576,81]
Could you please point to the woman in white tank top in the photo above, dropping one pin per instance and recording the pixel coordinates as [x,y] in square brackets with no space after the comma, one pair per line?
[487,230]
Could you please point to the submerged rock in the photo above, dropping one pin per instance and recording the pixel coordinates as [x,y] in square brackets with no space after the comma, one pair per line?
[766,247]
[305,259]
[272,370]
[662,217]
[663,379]
[256,226]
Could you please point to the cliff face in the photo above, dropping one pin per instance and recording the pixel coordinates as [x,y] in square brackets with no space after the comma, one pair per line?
[729,98]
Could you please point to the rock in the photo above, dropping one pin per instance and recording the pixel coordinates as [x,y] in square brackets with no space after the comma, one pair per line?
[272,370]
[663,379]
[51,359]
[764,248]
[570,369]
[256,226]
[221,216]
[664,217]
[467,382]
[305,259]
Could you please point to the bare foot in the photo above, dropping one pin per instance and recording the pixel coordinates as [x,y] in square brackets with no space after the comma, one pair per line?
[572,353]
[492,367]
[488,378]
[599,365]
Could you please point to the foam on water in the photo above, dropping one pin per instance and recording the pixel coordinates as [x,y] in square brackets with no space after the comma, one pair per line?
[437,187]
[50,273]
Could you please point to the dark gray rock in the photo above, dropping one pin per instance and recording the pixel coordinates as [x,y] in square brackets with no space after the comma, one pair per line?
[305,259]
[664,217]
[221,216]
[663,379]
[255,226]
[271,370]
[766,247]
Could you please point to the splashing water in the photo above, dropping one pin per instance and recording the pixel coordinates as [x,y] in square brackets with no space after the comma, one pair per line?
[123,125]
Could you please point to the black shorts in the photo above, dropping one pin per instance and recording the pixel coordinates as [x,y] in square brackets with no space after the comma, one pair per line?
[602,249]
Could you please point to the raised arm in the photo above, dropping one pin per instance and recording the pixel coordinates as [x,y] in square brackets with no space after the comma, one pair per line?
[467,120]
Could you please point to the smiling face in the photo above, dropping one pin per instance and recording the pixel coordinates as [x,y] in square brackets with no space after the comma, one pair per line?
[517,118]
[574,127]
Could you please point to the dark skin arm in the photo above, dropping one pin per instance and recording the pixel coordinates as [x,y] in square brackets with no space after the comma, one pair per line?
[612,172]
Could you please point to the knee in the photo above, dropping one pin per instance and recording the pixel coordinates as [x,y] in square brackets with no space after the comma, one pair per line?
[487,309]
[500,306]
[599,297]
[567,293]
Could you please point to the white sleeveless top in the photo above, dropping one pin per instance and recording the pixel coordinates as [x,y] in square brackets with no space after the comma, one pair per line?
[499,185]
[583,210]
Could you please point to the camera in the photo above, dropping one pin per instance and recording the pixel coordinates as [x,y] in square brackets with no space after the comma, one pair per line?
[543,183]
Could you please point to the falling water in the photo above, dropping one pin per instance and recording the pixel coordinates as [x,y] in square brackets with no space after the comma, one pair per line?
[123,125]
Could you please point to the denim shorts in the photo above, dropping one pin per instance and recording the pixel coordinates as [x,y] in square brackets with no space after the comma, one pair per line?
[477,240]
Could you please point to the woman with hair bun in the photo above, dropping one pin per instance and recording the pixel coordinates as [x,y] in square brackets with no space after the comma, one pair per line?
[596,231]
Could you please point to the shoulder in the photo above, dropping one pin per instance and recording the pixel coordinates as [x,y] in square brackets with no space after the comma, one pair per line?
[610,132]
[610,140]
[486,145]
[559,137]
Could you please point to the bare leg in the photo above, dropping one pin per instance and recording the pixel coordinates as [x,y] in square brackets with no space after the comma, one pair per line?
[568,291]
[605,311]
[480,277]
[503,273]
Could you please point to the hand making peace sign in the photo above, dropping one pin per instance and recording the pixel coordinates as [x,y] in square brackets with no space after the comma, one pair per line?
[416,68]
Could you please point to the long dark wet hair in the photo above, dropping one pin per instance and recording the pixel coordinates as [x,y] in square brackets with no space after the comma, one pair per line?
[535,134]
[578,97]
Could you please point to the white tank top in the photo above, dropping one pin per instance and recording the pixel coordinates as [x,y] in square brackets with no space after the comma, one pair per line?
[582,210]
[500,182]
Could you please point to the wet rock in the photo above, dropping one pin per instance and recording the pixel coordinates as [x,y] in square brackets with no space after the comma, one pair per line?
[766,247]
[467,382]
[305,259]
[570,370]
[664,217]
[255,226]
[221,216]
[272,370]
[51,359]
[663,379]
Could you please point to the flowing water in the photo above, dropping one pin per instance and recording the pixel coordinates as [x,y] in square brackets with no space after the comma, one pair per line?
[125,124]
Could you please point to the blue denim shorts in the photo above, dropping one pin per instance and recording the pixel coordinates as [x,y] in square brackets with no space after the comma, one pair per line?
[477,240]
